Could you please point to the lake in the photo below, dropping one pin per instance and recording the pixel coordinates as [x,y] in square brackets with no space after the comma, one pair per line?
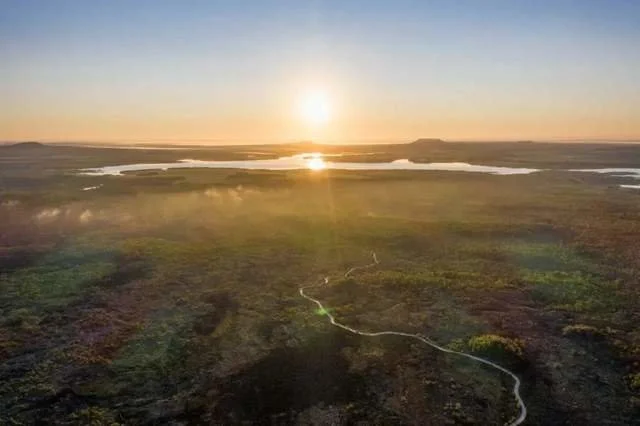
[317,162]
[310,161]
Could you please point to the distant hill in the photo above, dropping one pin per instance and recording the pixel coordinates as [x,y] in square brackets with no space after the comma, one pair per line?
[426,141]
[25,145]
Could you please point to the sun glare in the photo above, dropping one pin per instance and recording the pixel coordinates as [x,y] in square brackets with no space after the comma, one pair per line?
[315,108]
[316,163]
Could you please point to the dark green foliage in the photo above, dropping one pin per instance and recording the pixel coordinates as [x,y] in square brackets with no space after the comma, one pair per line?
[171,297]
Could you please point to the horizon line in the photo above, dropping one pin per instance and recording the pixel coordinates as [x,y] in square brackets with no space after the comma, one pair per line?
[371,141]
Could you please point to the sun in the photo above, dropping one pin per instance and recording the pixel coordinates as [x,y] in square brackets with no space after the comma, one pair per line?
[315,107]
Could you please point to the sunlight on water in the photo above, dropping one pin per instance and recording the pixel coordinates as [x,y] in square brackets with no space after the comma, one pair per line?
[316,161]
[616,172]
[316,164]
[312,161]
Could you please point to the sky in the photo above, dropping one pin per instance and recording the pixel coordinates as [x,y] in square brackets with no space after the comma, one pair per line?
[223,72]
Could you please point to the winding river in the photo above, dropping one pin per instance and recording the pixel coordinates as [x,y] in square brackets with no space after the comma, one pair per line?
[516,381]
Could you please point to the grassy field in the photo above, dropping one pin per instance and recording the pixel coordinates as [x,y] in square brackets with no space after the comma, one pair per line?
[171,297]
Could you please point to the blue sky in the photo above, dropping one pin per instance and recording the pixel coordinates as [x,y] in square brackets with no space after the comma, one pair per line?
[235,70]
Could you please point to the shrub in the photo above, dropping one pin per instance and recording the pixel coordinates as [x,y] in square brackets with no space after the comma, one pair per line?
[94,416]
[496,346]
[634,381]
[581,330]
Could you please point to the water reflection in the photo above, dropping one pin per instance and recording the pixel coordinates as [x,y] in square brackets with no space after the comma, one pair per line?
[616,172]
[313,161]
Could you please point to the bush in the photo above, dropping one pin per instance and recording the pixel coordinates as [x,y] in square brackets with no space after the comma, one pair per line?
[94,416]
[581,330]
[496,346]
[634,381]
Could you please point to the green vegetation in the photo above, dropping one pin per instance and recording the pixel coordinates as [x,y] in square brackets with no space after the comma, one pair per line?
[581,330]
[94,416]
[498,348]
[634,381]
[572,291]
[172,297]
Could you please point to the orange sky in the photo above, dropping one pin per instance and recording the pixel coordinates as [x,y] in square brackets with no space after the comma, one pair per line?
[226,73]
[177,128]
